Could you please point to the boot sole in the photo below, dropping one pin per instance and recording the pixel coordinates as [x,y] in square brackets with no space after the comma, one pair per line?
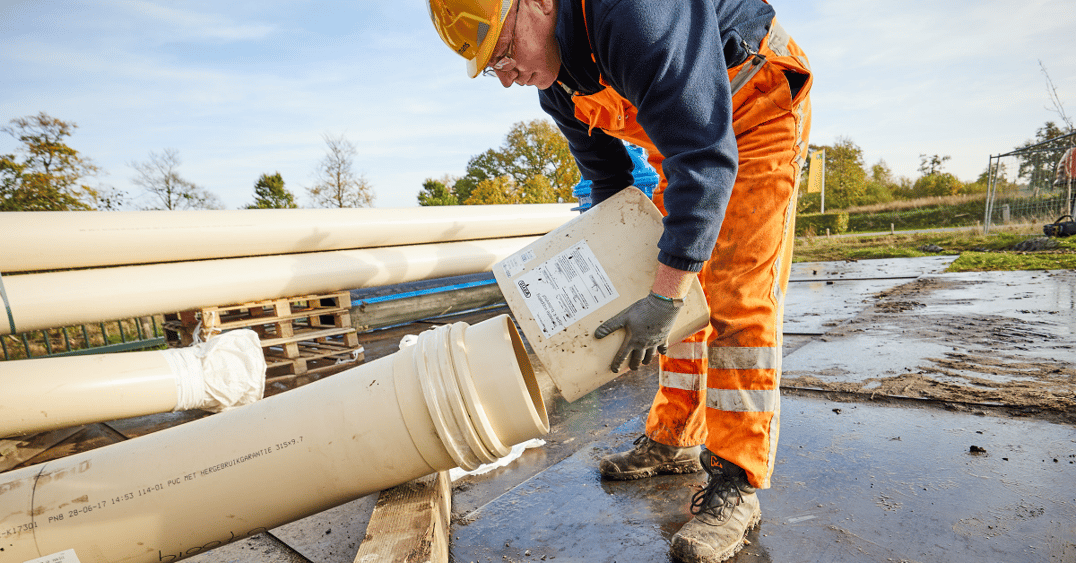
[756,518]
[668,469]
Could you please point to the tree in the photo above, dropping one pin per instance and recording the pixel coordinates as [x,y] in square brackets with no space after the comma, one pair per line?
[109,199]
[1038,165]
[880,185]
[436,192]
[939,184]
[981,185]
[535,149]
[49,174]
[934,182]
[534,158]
[846,180]
[495,191]
[538,189]
[1055,100]
[931,165]
[11,197]
[159,177]
[337,184]
[480,168]
[269,193]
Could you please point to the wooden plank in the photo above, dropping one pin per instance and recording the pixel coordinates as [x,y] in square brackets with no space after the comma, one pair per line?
[255,321]
[306,335]
[273,318]
[89,437]
[16,451]
[311,351]
[287,305]
[284,369]
[410,523]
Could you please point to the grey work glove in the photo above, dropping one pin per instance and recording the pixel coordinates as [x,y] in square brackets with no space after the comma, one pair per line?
[648,322]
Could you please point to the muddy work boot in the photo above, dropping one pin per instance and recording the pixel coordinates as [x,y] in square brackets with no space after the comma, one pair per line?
[724,511]
[649,458]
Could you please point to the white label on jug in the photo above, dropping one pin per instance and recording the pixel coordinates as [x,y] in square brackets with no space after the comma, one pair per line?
[566,288]
[514,264]
[61,557]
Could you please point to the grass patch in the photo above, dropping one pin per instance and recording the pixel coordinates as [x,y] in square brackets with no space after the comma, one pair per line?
[990,262]
[976,252]
[952,211]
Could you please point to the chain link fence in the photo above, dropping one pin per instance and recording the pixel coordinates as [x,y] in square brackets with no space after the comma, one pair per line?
[1033,184]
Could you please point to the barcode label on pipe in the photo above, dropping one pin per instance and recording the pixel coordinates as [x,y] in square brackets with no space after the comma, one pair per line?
[67,556]
[566,288]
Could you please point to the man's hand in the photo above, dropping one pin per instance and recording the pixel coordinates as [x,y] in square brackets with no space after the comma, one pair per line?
[648,322]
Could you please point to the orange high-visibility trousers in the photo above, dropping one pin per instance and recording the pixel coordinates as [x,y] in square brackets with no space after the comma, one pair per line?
[721,386]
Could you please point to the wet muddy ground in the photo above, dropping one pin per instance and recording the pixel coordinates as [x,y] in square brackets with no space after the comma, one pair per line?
[931,421]
[853,483]
[986,338]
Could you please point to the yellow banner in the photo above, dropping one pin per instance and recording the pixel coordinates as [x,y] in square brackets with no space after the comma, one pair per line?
[816,172]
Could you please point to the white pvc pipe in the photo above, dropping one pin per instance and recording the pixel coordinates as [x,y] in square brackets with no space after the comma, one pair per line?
[50,393]
[80,239]
[55,299]
[454,398]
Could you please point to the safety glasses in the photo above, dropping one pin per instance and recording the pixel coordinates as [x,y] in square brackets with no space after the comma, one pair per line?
[498,62]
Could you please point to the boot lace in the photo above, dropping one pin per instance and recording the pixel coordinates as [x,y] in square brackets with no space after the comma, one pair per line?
[728,497]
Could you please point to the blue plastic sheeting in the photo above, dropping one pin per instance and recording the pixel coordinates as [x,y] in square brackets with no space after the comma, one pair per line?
[419,292]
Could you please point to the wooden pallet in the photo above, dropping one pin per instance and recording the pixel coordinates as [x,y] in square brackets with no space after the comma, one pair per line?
[300,335]
[315,356]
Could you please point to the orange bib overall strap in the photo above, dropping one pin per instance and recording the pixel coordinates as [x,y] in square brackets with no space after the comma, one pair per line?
[611,113]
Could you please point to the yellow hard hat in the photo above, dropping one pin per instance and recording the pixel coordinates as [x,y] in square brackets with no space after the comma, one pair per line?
[470,28]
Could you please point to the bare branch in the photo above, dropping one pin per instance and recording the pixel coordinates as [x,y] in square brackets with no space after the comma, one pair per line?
[337,184]
[1055,99]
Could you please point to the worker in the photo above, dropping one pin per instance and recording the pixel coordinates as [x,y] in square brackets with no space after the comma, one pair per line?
[1066,178]
[717,93]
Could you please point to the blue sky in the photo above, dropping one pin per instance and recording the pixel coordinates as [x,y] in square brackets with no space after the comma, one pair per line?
[244,88]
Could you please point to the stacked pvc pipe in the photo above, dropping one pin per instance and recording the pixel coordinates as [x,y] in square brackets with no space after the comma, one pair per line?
[459,395]
[131,264]
[54,299]
[83,239]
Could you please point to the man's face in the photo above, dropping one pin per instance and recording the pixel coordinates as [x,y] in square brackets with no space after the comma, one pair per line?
[527,53]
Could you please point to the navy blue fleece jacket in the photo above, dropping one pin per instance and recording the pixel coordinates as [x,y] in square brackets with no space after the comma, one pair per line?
[670,59]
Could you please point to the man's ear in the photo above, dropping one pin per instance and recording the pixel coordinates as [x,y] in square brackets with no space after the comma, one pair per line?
[546,6]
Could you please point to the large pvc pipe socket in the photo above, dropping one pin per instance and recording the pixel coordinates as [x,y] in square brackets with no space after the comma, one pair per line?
[461,394]
[44,394]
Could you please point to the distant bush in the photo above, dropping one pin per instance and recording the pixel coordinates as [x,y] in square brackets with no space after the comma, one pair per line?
[817,223]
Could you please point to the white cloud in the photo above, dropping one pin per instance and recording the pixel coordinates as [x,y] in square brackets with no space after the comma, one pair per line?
[186,23]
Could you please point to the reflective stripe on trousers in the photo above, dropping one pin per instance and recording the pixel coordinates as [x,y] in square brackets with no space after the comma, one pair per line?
[721,386]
